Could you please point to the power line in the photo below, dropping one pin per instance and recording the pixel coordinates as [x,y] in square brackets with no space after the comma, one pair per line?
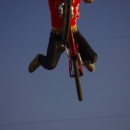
[110,38]
[95,39]
[66,120]
[21,46]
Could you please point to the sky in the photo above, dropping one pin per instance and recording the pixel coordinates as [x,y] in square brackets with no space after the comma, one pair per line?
[47,99]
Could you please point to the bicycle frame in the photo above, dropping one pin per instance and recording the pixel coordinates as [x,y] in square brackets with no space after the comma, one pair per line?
[75,61]
[73,54]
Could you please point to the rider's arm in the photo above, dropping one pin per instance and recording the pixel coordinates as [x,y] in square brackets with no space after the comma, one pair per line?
[88,1]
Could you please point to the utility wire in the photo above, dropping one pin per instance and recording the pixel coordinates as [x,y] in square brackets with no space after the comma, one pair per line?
[21,46]
[96,39]
[110,38]
[66,120]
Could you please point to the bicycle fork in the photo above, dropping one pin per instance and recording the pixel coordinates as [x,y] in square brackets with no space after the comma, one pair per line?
[73,54]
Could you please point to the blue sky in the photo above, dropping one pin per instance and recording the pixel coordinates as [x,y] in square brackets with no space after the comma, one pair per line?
[48,99]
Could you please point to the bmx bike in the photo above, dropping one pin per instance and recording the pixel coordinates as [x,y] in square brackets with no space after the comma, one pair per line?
[71,48]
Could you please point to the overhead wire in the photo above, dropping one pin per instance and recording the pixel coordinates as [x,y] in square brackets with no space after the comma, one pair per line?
[110,38]
[94,39]
[66,120]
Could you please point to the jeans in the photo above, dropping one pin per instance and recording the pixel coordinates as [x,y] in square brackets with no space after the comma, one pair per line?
[53,54]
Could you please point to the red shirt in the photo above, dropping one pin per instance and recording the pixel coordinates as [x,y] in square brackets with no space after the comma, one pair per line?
[56,20]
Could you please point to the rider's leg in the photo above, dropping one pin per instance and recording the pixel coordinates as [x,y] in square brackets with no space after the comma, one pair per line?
[53,54]
[87,53]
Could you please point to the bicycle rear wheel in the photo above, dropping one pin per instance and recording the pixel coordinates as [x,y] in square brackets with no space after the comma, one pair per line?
[66,20]
[77,79]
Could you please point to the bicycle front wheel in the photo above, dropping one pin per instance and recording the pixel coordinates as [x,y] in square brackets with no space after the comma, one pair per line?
[77,79]
[66,20]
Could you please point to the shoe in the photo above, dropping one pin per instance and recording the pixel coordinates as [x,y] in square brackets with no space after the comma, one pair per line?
[89,65]
[34,64]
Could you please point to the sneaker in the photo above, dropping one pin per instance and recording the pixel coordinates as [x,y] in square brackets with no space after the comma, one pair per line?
[34,64]
[89,65]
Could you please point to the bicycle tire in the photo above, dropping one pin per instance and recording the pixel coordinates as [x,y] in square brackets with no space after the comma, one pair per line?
[66,20]
[77,79]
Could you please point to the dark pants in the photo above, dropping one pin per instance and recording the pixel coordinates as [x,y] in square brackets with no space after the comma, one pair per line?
[53,54]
